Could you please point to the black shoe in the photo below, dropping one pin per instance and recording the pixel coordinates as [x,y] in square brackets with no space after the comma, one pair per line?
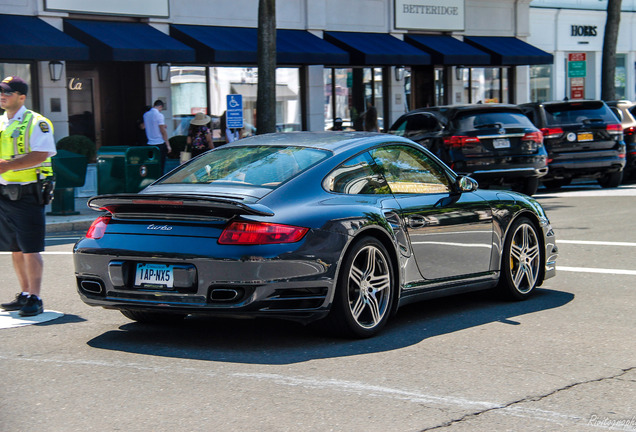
[19,301]
[32,307]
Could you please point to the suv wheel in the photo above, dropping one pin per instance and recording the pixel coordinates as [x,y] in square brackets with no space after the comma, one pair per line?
[527,186]
[556,184]
[611,180]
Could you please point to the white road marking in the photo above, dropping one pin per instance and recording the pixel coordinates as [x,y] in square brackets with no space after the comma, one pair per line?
[596,243]
[10,319]
[597,270]
[46,253]
[329,384]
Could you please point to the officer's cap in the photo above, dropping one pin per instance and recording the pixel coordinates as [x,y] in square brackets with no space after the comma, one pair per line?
[14,83]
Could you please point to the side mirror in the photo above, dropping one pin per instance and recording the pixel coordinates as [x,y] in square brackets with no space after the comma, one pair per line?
[466,184]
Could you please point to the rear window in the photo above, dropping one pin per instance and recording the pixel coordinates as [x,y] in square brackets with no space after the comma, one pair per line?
[266,166]
[576,113]
[491,119]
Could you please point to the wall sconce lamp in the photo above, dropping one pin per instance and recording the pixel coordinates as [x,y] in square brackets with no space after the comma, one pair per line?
[163,71]
[55,70]
[459,73]
[399,73]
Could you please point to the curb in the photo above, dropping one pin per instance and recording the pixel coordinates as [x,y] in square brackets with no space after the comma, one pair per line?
[75,225]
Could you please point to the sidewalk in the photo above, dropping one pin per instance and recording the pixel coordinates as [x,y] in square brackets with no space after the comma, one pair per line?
[79,222]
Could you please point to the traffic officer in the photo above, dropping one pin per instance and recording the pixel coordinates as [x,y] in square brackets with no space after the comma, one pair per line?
[26,146]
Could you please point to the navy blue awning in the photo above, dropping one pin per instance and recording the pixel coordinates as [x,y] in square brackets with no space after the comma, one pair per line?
[122,41]
[510,50]
[239,45]
[377,49]
[30,38]
[446,50]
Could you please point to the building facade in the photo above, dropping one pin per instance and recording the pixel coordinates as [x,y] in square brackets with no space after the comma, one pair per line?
[95,66]
[573,31]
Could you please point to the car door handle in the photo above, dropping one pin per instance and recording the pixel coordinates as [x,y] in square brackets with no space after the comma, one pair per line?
[416,221]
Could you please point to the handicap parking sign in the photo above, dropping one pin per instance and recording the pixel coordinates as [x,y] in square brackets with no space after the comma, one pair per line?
[235,111]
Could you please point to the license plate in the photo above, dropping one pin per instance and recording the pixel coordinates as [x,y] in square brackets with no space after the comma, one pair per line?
[154,275]
[500,143]
[585,137]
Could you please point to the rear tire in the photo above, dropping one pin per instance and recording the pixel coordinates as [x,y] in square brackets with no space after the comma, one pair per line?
[521,261]
[527,186]
[611,180]
[365,291]
[556,184]
[153,317]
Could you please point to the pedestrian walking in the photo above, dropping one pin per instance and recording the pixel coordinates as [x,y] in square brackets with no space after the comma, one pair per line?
[26,147]
[155,126]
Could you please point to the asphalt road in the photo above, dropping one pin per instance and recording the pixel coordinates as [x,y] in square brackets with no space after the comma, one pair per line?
[563,360]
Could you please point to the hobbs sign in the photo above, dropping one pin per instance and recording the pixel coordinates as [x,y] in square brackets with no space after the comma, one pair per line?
[429,14]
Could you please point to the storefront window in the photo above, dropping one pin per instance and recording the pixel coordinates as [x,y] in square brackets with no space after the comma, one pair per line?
[621,77]
[343,87]
[205,89]
[540,83]
[338,91]
[23,71]
[486,85]
[439,87]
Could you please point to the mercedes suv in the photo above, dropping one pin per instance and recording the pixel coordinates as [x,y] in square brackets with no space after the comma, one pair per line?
[494,143]
[583,138]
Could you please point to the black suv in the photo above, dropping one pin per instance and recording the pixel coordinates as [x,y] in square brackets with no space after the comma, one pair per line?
[583,139]
[493,143]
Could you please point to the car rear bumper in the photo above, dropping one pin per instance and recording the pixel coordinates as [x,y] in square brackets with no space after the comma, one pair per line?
[504,168]
[584,164]
[289,284]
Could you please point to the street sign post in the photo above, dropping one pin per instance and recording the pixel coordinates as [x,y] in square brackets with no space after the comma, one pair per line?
[234,111]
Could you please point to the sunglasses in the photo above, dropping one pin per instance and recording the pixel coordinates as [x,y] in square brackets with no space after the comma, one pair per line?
[6,92]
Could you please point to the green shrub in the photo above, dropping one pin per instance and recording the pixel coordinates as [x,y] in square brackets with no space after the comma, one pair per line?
[177,144]
[79,144]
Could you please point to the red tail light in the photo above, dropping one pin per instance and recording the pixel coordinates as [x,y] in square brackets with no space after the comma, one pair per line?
[630,130]
[552,132]
[259,233]
[614,128]
[98,227]
[533,136]
[459,141]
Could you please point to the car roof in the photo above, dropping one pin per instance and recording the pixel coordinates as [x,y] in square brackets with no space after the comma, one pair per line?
[334,141]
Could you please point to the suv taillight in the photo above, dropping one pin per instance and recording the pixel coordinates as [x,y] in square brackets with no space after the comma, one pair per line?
[459,141]
[552,132]
[630,130]
[260,233]
[98,227]
[614,129]
[533,136]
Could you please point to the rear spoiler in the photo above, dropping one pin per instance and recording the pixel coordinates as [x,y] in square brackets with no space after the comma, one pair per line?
[168,203]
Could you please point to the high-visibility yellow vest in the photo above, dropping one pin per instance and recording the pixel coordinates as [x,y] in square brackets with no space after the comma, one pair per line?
[14,142]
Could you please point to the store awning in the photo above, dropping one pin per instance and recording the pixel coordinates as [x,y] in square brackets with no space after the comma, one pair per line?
[510,50]
[446,50]
[378,49]
[30,38]
[123,41]
[238,45]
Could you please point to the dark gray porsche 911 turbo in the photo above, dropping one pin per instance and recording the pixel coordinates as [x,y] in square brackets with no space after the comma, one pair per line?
[341,227]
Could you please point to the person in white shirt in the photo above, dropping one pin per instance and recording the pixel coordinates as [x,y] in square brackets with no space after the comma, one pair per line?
[155,126]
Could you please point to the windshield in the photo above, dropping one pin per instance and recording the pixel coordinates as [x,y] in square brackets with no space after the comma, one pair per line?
[266,166]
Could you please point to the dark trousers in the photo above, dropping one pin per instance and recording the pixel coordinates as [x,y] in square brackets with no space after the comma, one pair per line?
[163,153]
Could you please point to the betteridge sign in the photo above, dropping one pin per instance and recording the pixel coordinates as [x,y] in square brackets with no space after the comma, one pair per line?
[429,14]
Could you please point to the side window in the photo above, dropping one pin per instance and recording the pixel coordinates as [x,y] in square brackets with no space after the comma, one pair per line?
[410,171]
[357,176]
